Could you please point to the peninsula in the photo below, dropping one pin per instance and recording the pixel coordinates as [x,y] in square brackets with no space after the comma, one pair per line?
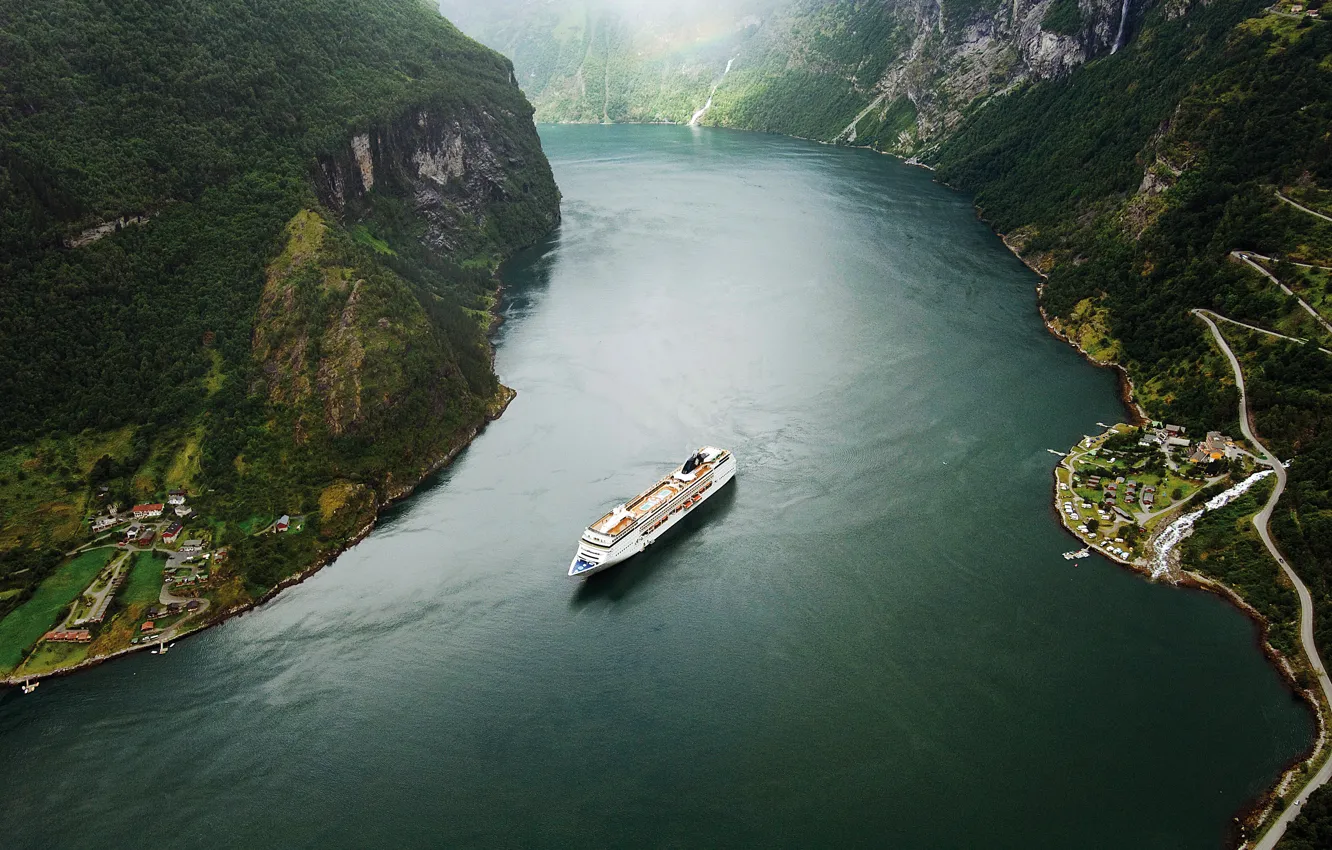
[248,317]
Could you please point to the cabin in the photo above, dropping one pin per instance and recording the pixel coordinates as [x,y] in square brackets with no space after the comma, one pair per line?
[69,635]
[147,626]
[283,523]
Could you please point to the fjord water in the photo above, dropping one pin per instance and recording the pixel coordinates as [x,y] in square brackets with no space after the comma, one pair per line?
[869,640]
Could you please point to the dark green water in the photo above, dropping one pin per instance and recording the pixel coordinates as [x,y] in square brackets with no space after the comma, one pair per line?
[869,640]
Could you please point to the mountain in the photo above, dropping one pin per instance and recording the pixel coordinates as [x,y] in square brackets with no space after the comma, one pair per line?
[246,251]
[893,75]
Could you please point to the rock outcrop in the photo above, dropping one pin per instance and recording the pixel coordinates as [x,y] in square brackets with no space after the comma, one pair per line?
[464,172]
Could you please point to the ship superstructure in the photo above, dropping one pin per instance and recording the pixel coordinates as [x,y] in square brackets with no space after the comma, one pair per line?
[632,527]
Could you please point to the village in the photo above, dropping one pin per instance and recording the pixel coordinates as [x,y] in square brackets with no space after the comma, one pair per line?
[156,578]
[1113,489]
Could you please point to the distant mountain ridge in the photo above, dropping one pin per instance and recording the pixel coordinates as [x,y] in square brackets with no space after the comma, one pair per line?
[893,75]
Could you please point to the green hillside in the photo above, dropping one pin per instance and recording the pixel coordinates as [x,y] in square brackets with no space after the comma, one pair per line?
[221,270]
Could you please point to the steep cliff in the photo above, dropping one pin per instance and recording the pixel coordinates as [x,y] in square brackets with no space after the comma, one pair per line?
[475,177]
[893,74]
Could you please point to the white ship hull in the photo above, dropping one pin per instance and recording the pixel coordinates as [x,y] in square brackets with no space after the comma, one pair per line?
[631,528]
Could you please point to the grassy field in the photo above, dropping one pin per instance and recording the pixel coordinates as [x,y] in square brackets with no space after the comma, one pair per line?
[145,579]
[255,523]
[31,620]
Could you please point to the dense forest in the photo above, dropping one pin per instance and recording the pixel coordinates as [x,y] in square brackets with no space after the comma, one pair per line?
[154,158]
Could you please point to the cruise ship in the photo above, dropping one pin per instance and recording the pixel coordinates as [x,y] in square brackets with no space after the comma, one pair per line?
[632,527]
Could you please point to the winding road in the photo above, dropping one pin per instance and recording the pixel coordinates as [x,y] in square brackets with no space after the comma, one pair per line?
[1245,257]
[1304,208]
[1260,522]
[1268,259]
[1222,318]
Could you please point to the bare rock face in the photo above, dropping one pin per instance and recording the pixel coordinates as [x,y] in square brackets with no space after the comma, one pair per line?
[951,64]
[457,170]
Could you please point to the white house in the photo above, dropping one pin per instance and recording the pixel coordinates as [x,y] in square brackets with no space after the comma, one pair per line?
[148,511]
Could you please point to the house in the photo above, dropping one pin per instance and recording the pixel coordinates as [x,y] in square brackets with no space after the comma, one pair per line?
[183,511]
[148,511]
[147,626]
[1178,441]
[102,523]
[133,530]
[146,539]
[1218,445]
[283,523]
[1175,430]
[154,612]
[192,605]
[176,497]
[173,608]
[191,547]
[173,531]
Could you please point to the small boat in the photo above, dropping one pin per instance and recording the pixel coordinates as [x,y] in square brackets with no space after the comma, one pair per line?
[29,686]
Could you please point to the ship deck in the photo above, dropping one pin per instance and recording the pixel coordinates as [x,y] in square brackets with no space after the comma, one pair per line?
[617,521]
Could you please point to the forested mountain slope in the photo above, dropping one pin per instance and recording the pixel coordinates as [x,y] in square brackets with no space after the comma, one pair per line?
[245,250]
[1131,182]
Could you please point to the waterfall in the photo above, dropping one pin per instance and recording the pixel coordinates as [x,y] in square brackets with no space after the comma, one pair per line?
[1119,36]
[697,116]
[1183,527]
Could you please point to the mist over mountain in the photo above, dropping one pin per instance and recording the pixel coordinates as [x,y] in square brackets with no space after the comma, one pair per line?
[893,75]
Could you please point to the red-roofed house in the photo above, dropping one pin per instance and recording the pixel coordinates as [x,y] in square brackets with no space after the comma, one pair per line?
[146,511]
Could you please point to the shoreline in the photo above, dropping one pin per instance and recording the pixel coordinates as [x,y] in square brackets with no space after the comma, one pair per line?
[1245,827]
[504,396]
